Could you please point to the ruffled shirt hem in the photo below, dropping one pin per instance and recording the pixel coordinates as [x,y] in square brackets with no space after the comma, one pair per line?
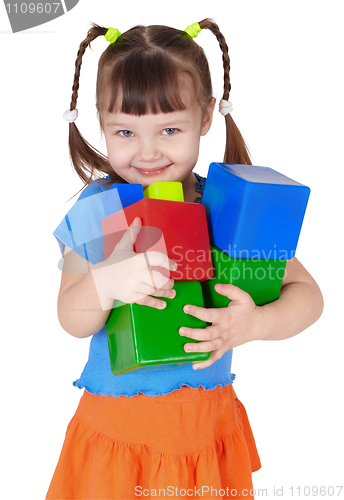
[147,392]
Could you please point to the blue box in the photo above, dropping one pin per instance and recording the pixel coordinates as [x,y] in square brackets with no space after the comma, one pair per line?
[254,212]
[121,195]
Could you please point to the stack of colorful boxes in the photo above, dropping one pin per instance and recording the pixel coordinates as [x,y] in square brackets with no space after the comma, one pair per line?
[243,233]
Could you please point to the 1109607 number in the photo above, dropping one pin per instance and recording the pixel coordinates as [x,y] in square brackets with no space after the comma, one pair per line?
[314,491]
[32,8]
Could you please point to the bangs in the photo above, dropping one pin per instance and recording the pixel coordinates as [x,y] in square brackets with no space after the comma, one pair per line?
[145,82]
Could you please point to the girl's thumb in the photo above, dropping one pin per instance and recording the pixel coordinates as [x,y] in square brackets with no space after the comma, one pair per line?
[129,238]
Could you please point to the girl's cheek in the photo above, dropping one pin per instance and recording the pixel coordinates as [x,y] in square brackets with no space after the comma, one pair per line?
[118,156]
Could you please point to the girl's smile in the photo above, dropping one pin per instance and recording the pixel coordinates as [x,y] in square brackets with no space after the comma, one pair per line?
[152,171]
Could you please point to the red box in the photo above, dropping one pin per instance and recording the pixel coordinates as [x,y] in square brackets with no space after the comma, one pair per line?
[178,229]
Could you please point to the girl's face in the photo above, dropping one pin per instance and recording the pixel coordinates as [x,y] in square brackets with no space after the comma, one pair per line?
[163,146]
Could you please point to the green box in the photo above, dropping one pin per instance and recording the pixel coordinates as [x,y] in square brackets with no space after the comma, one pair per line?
[262,278]
[165,190]
[140,336]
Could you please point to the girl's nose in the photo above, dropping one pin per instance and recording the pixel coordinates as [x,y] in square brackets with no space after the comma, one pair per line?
[148,151]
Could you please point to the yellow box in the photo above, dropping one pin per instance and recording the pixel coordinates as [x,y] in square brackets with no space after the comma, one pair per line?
[164,190]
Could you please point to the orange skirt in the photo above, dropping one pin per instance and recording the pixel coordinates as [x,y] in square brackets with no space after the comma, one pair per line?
[191,443]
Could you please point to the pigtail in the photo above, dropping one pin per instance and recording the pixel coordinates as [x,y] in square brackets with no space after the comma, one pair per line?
[236,149]
[85,158]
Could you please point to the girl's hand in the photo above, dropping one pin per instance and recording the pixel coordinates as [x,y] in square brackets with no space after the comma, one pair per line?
[241,321]
[127,276]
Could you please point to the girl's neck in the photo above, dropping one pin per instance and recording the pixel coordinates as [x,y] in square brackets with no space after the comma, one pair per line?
[189,188]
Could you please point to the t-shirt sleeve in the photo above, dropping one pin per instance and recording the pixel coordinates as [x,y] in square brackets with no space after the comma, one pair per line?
[81,228]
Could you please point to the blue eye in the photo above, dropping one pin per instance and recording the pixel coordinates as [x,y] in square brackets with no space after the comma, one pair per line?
[125,133]
[169,131]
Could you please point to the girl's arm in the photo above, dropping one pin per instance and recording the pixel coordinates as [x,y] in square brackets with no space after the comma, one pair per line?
[300,304]
[83,307]
[78,305]
[87,291]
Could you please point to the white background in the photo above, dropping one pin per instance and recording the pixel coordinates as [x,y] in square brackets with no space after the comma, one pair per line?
[287,92]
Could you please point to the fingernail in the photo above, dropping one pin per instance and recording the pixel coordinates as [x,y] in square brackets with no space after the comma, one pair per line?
[182,331]
[174,267]
[187,348]
[172,294]
[186,309]
[162,306]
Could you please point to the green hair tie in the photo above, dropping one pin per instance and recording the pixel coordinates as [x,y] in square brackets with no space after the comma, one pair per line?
[193,30]
[112,34]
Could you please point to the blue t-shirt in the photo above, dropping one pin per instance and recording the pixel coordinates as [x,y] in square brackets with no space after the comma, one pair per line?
[81,230]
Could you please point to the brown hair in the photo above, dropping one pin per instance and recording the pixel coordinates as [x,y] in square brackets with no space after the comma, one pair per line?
[160,55]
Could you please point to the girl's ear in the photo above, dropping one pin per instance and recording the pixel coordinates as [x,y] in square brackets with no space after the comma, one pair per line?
[208,118]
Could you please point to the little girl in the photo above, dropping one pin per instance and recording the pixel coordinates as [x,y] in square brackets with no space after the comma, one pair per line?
[166,432]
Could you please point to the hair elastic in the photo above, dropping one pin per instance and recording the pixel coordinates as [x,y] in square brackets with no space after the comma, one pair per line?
[112,34]
[70,115]
[193,30]
[225,107]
